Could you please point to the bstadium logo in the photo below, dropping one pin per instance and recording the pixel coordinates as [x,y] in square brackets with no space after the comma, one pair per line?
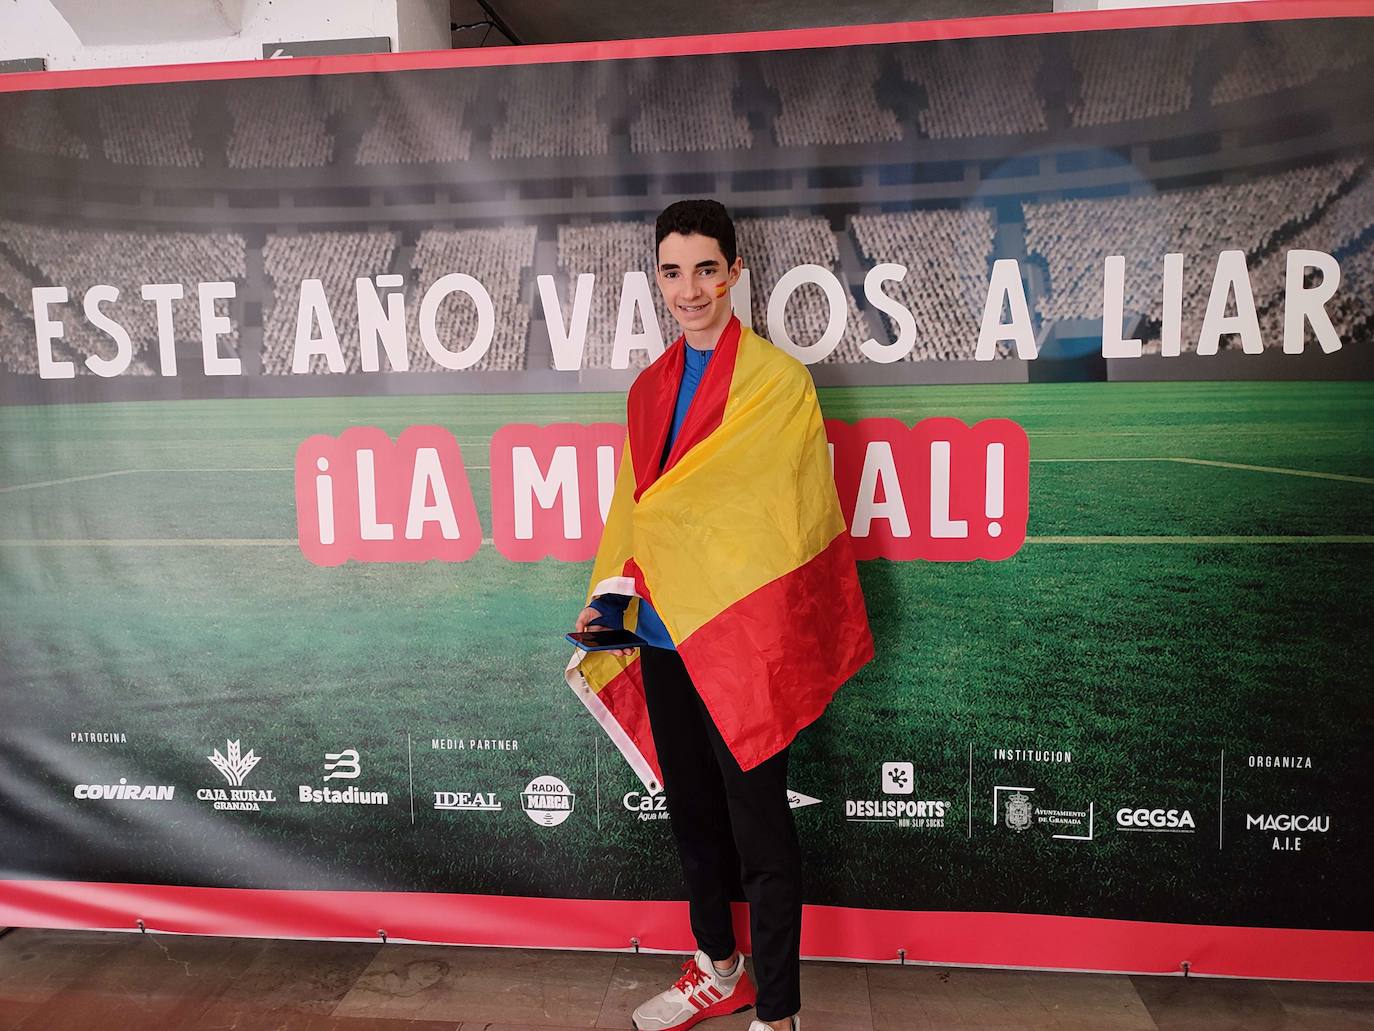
[547,801]
[234,766]
[345,764]
[466,802]
[125,792]
[897,778]
[342,765]
[646,807]
[1155,821]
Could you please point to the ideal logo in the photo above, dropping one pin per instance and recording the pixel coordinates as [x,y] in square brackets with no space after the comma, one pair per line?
[547,801]
[235,766]
[466,801]
[342,765]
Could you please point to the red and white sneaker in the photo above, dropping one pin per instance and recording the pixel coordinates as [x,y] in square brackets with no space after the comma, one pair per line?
[700,993]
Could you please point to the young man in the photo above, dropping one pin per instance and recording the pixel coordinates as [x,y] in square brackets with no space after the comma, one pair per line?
[725,544]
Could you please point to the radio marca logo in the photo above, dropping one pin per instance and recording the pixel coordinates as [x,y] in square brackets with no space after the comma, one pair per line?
[547,801]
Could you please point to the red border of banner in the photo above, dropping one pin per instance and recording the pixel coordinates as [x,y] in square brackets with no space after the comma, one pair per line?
[678,46]
[873,935]
[974,939]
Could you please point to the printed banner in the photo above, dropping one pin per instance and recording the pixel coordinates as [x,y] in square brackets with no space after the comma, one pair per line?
[312,399]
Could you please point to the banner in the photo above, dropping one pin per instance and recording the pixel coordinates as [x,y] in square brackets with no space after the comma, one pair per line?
[312,381]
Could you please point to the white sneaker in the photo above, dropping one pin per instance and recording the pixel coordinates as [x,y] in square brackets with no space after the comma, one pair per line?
[759,1025]
[700,993]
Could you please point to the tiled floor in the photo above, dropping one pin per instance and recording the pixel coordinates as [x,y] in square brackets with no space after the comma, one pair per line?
[86,981]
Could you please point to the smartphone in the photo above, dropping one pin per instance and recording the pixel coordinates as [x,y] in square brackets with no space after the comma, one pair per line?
[605,640]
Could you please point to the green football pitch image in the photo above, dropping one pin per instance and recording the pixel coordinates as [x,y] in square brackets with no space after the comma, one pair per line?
[1187,627]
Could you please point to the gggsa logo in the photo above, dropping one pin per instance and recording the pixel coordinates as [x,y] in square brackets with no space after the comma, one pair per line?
[1160,821]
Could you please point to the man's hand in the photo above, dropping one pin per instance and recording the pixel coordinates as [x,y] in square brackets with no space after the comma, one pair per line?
[585,619]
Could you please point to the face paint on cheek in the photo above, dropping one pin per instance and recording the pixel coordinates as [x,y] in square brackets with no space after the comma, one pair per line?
[721,290]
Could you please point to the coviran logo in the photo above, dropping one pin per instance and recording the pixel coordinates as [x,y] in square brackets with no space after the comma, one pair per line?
[547,801]
[1160,821]
[467,801]
[125,792]
[235,765]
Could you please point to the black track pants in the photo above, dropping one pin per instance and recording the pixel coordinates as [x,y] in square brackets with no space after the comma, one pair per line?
[732,828]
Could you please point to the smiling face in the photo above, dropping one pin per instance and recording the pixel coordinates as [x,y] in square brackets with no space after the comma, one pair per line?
[695,280]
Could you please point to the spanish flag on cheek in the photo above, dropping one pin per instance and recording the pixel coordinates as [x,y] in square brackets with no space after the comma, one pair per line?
[737,540]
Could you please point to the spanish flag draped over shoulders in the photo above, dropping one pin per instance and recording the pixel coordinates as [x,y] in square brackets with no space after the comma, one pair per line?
[738,542]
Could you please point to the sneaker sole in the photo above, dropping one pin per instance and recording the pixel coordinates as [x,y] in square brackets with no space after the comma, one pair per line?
[707,1014]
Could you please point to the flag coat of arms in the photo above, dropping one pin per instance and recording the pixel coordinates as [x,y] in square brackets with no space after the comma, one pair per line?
[737,540]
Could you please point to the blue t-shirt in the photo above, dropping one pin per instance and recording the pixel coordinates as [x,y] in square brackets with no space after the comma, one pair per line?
[612,606]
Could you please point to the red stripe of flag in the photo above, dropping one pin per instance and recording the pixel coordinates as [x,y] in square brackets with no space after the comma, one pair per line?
[623,697]
[802,635]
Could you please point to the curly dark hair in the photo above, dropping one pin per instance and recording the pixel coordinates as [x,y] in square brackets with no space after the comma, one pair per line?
[706,217]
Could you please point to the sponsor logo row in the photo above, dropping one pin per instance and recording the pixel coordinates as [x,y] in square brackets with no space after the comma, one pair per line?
[1022,808]
[548,801]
